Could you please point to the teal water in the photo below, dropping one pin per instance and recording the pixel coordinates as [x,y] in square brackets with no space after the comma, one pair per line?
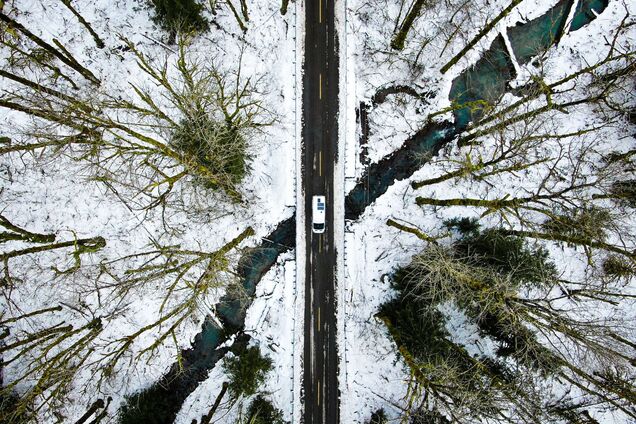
[584,14]
[160,403]
[481,83]
[538,35]
[485,81]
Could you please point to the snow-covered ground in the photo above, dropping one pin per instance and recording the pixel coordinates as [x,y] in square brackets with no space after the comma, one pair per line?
[271,322]
[59,196]
[375,375]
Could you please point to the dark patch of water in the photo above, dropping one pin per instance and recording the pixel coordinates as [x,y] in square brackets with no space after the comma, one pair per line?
[381,95]
[397,166]
[534,37]
[585,12]
[362,117]
[486,81]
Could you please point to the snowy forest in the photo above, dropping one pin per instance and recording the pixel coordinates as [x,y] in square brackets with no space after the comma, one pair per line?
[150,184]
[503,256]
[135,174]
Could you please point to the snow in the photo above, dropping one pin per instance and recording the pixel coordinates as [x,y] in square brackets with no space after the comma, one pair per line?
[268,323]
[57,194]
[301,220]
[340,172]
[376,376]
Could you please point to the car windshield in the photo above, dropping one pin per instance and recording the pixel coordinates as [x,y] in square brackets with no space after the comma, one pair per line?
[319,226]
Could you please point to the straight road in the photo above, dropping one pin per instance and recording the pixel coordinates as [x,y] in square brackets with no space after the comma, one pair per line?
[319,134]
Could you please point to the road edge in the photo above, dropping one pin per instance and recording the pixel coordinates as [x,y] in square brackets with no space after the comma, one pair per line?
[299,295]
[339,200]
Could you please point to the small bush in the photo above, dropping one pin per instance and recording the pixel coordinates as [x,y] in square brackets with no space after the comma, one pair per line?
[8,408]
[507,255]
[625,191]
[615,266]
[180,16]
[417,328]
[465,226]
[217,147]
[584,223]
[261,411]
[378,417]
[246,371]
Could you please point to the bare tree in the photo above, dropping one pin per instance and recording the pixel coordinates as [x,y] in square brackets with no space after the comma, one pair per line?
[570,174]
[60,52]
[207,139]
[483,32]
[43,243]
[51,357]
[46,349]
[188,277]
[606,82]
[399,38]
[582,348]
[98,41]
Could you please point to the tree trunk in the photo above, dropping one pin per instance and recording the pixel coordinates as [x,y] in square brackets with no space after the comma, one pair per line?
[65,58]
[35,336]
[283,7]
[66,141]
[489,204]
[244,10]
[248,232]
[88,243]
[43,89]
[37,113]
[485,30]
[236,16]
[22,234]
[407,229]
[98,41]
[207,419]
[98,404]
[581,241]
[30,314]
[397,43]
[431,181]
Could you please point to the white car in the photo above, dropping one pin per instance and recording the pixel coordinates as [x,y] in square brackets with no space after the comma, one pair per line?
[318,214]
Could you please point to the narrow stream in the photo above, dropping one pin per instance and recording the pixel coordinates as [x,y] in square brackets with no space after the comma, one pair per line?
[487,79]
[160,403]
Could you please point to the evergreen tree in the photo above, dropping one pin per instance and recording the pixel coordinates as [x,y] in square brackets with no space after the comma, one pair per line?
[247,371]
[261,411]
[180,16]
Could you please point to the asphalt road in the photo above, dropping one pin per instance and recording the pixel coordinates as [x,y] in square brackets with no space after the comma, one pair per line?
[320,138]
